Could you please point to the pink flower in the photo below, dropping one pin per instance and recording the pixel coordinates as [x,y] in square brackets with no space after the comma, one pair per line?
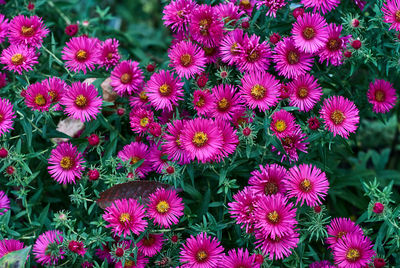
[187,59]
[239,258]
[226,101]
[332,52]
[151,244]
[279,247]
[9,245]
[18,58]
[109,56]
[125,217]
[283,123]
[229,139]
[4,203]
[293,142]
[3,28]
[242,208]
[340,227]
[269,180]
[41,248]
[382,96]
[37,97]
[165,207]
[65,163]
[140,120]
[140,262]
[305,92]
[127,77]
[353,251]
[205,26]
[172,144]
[55,88]
[391,11]
[253,55]
[29,31]
[272,5]
[177,14]
[77,247]
[6,116]
[203,102]
[81,101]
[81,53]
[158,158]
[230,46]
[323,6]
[201,251]
[340,116]
[134,152]
[139,100]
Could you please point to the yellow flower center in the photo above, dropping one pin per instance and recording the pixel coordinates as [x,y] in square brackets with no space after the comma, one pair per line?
[308,33]
[200,103]
[67,162]
[253,56]
[201,255]
[149,240]
[40,100]
[186,60]
[165,89]
[305,185]
[223,104]
[353,255]
[280,125]
[53,95]
[81,101]
[270,188]
[204,25]
[81,55]
[27,31]
[258,92]
[144,121]
[292,57]
[143,96]
[162,206]
[397,16]
[124,217]
[380,95]
[17,59]
[209,51]
[109,56]
[302,93]
[1,118]
[200,138]
[337,117]
[234,50]
[273,216]
[341,234]
[126,78]
[134,160]
[334,44]
[245,4]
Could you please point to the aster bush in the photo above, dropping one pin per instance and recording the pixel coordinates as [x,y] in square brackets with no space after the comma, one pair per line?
[199,133]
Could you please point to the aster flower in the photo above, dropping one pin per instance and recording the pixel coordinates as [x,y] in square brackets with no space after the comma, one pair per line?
[165,207]
[272,5]
[3,28]
[127,77]
[187,59]
[241,117]
[253,55]
[109,56]
[239,258]
[391,11]
[310,32]
[242,208]
[140,120]
[305,92]
[157,158]
[140,262]
[6,116]
[201,251]
[229,139]
[125,217]
[3,80]
[246,5]
[81,101]
[151,244]
[104,253]
[211,53]
[291,143]
[77,247]
[203,102]
[226,101]
[177,14]
[382,96]
[55,88]
[205,26]
[321,264]
[46,247]
[66,163]
[332,52]
[172,144]
[4,203]
[269,180]
[201,139]
[274,216]
[340,227]
[134,152]
[323,6]
[9,245]
[18,58]
[164,90]
[279,247]
[139,100]
[283,123]
[290,61]
[81,53]
[340,116]
[308,184]
[37,97]
[353,251]
[24,30]
[230,46]
[229,13]
[260,90]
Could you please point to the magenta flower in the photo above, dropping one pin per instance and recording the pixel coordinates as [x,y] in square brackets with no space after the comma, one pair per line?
[229,139]
[290,61]
[242,208]
[77,247]
[340,227]
[134,152]
[164,90]
[109,56]
[177,14]
[291,143]
[201,251]
[391,11]
[157,158]
[230,46]
[305,92]
[279,247]
[6,116]
[55,88]
[81,101]
[269,180]
[253,55]
[187,59]
[228,12]
[3,28]
[28,31]
[4,203]
[140,262]
[37,97]
[332,52]
[127,77]
[353,251]
[321,264]
[283,123]
[47,240]
[172,144]
[140,120]
[203,102]
[382,96]
[139,100]
[260,90]
[323,6]
[81,53]
[205,26]
[18,58]
[65,163]
[272,5]
[125,217]
[340,116]
[211,54]
[226,101]
[9,245]
[239,258]
[151,244]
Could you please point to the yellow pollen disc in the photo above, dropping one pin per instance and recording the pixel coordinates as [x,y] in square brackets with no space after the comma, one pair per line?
[27,31]
[186,60]
[109,56]
[204,25]
[17,59]
[200,103]
[180,14]
[341,234]
[292,57]
[124,217]
[337,117]
[162,207]
[149,241]
[126,78]
[53,95]
[201,255]
[134,160]
[40,100]
[143,96]
[302,93]
[129,263]
[308,33]
[1,118]
[305,185]
[380,95]
[334,44]
[280,125]
[81,101]
[245,3]
[353,254]
[165,89]
[209,51]
[178,141]
[258,92]
[223,104]
[253,56]
[67,162]
[200,138]
[81,55]
[397,16]
[234,50]
[270,188]
[273,216]
[287,141]
[144,121]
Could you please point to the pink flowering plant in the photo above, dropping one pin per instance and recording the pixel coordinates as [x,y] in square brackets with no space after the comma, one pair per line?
[199,133]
